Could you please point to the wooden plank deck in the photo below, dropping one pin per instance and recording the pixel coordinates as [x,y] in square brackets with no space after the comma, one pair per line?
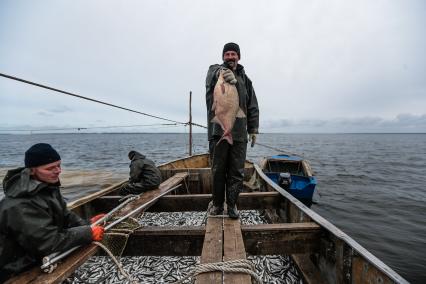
[212,250]
[233,248]
[223,241]
[72,262]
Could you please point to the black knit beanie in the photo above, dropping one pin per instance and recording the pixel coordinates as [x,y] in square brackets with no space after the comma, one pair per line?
[40,154]
[231,46]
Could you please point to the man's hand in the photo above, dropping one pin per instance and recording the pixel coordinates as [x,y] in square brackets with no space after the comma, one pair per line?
[96,218]
[229,77]
[97,233]
[252,138]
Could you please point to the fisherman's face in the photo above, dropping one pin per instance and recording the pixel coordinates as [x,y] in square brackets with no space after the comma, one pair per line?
[231,59]
[47,173]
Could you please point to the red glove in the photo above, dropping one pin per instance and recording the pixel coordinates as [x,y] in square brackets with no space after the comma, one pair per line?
[97,233]
[96,218]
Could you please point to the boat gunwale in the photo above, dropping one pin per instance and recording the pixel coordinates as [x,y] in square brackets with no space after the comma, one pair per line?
[335,231]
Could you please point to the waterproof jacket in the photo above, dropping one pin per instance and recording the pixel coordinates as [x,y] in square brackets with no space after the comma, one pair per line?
[247,100]
[35,222]
[144,171]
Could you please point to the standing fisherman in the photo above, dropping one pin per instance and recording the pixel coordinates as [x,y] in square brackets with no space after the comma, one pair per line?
[34,219]
[228,160]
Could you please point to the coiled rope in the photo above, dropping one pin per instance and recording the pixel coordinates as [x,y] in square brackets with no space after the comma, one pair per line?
[235,266]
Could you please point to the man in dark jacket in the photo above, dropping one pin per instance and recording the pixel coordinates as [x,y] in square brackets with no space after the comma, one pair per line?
[34,219]
[228,160]
[144,175]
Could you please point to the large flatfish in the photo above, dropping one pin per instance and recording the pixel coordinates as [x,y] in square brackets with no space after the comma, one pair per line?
[226,107]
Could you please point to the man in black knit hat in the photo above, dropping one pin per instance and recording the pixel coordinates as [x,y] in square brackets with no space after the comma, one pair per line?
[34,219]
[228,160]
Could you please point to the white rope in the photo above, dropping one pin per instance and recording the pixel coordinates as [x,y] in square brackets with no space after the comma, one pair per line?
[234,266]
[117,263]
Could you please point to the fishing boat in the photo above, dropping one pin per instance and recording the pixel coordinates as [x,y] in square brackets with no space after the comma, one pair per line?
[292,173]
[321,252]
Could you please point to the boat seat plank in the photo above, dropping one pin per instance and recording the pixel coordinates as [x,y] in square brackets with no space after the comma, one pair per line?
[197,202]
[151,195]
[212,250]
[94,195]
[233,248]
[72,262]
[281,238]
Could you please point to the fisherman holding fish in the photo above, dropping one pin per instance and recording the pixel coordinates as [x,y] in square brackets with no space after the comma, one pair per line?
[233,120]
[34,219]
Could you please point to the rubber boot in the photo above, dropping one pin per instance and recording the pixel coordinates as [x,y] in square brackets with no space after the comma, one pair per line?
[233,212]
[214,210]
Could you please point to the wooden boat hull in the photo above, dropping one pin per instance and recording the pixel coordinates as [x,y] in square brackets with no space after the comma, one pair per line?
[322,252]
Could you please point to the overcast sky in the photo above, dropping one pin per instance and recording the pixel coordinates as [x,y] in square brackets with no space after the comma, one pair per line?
[316,66]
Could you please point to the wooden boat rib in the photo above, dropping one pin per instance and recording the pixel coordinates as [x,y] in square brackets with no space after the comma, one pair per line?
[321,251]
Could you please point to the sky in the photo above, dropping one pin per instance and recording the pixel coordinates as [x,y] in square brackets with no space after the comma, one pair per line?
[316,66]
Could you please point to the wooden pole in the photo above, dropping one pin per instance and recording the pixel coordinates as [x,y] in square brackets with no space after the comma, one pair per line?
[190,123]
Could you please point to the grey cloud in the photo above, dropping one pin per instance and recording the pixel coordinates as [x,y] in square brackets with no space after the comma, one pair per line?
[43,113]
[359,62]
[401,123]
[60,109]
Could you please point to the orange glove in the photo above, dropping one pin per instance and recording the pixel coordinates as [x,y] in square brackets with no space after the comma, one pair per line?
[96,218]
[97,233]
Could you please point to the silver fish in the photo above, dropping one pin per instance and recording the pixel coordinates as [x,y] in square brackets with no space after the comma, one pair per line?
[226,107]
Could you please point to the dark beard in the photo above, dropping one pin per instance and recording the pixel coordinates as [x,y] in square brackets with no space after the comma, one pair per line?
[227,65]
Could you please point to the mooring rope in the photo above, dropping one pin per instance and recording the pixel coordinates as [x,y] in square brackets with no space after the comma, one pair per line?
[234,266]
[279,150]
[94,100]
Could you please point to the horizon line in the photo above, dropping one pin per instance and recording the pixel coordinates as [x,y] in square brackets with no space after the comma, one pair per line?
[82,133]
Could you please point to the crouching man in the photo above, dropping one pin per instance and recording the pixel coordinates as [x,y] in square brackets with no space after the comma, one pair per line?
[34,219]
[144,175]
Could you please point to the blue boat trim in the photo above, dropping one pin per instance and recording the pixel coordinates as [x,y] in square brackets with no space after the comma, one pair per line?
[286,158]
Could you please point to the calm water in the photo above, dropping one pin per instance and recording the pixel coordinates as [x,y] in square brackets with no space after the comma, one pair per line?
[372,186]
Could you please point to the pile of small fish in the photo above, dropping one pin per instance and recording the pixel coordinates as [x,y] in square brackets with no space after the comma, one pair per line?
[155,269]
[143,269]
[172,219]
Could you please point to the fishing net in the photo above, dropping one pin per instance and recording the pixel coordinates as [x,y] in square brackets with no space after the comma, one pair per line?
[115,239]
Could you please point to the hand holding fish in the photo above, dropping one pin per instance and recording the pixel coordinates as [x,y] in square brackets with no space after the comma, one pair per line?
[229,76]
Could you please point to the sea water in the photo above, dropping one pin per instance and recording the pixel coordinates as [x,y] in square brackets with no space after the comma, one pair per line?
[372,186]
